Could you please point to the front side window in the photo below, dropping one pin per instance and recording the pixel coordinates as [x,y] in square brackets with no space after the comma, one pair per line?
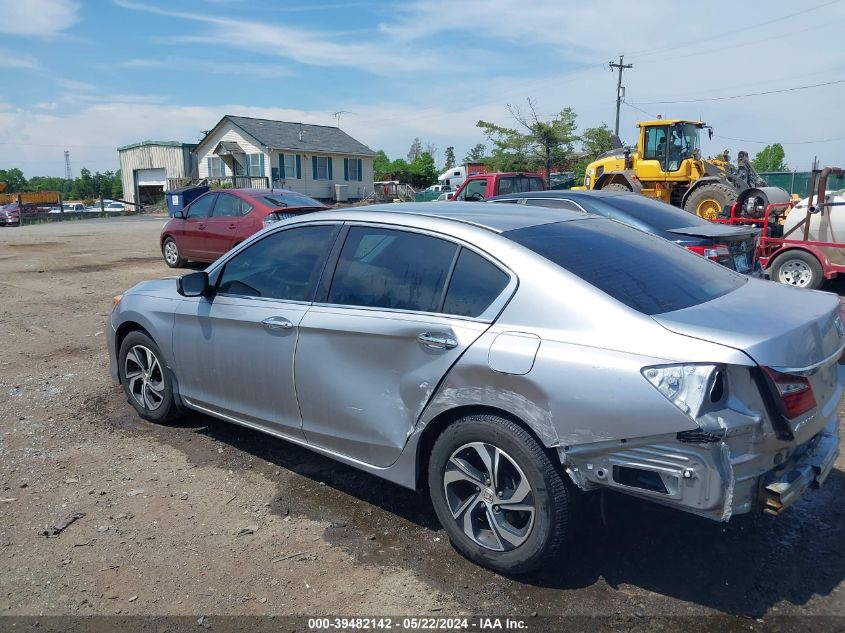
[655,143]
[284,265]
[385,268]
[475,190]
[474,285]
[201,207]
[642,271]
[229,206]
[322,167]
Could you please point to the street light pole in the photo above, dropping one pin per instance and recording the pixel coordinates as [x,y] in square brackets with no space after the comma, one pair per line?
[620,66]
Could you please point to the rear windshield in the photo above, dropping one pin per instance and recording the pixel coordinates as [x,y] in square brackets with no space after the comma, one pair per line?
[652,213]
[283,200]
[642,271]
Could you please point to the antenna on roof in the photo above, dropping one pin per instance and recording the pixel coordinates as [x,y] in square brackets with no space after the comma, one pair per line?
[337,114]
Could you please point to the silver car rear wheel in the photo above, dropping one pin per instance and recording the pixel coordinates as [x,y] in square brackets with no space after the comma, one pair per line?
[501,499]
[489,496]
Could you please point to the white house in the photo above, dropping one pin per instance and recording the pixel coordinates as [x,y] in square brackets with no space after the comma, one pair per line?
[310,159]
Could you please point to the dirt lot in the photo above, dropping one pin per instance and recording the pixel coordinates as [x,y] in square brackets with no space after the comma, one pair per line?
[208,518]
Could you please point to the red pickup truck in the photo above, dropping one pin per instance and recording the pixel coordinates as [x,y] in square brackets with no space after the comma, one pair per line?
[483,186]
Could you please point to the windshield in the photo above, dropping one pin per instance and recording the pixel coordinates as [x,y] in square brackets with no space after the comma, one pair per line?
[284,200]
[686,138]
[643,271]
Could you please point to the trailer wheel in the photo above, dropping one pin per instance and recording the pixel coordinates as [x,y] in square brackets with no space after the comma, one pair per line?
[798,268]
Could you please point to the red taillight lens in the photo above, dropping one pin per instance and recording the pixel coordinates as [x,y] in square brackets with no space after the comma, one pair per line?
[714,252]
[795,392]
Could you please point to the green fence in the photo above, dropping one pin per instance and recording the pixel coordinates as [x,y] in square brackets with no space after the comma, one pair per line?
[797,182]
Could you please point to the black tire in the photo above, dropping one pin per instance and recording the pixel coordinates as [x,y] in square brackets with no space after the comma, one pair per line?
[797,268]
[709,201]
[151,402]
[617,186]
[174,260]
[553,509]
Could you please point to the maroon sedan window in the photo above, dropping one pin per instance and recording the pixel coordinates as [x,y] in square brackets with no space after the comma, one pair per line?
[201,207]
[229,206]
[290,200]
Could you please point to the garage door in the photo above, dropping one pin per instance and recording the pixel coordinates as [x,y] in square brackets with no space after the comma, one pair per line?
[147,177]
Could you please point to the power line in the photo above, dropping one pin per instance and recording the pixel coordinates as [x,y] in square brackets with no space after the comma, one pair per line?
[745,140]
[745,29]
[749,94]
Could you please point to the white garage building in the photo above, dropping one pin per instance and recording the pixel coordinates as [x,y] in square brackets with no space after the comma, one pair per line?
[145,168]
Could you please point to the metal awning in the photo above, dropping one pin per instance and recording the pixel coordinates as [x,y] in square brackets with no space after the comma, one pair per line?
[228,148]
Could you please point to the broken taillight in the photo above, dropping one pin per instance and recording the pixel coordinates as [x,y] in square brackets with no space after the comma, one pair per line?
[795,392]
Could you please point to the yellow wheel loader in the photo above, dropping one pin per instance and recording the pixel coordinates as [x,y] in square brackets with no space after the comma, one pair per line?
[666,164]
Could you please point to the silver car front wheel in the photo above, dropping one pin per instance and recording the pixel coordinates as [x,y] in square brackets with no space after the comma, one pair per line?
[145,378]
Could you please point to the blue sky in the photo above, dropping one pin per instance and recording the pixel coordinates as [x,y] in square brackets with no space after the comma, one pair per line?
[89,76]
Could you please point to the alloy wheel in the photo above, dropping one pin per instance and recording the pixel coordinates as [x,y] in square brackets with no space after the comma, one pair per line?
[171,253]
[489,496]
[144,377]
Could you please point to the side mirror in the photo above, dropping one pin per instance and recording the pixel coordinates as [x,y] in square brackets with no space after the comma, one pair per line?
[193,284]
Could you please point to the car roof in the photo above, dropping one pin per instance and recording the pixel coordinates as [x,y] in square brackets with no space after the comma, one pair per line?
[496,218]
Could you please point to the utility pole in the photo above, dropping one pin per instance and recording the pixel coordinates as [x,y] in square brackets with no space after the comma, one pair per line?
[619,88]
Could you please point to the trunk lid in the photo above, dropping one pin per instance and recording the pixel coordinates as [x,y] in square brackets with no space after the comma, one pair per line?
[741,244]
[777,326]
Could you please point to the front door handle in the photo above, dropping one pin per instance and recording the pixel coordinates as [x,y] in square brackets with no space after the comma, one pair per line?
[233,226]
[277,323]
[201,227]
[436,340]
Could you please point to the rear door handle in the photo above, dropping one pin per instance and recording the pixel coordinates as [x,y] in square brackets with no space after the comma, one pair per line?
[233,226]
[201,226]
[277,323]
[436,340]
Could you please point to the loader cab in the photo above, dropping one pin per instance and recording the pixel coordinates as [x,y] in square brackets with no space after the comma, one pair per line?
[665,145]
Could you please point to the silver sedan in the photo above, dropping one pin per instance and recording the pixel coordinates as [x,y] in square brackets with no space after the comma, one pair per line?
[506,361]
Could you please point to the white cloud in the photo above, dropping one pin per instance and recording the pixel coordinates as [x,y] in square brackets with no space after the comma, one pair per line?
[311,47]
[183,64]
[40,18]
[14,59]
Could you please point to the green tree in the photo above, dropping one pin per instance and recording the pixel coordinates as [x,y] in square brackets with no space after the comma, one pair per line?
[533,142]
[423,171]
[450,157]
[14,180]
[476,154]
[770,158]
[117,185]
[381,165]
[594,141]
[401,170]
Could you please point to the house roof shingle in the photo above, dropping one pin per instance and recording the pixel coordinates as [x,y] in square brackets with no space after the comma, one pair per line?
[285,135]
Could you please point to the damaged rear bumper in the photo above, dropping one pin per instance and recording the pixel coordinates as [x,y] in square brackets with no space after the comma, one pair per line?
[708,476]
[786,486]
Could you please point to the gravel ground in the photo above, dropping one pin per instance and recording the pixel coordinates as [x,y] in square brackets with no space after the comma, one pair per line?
[206,518]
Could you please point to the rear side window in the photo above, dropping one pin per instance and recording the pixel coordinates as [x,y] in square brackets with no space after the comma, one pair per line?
[230,207]
[399,270]
[642,271]
[284,265]
[475,284]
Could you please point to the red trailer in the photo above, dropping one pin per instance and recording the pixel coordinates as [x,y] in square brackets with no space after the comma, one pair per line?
[792,257]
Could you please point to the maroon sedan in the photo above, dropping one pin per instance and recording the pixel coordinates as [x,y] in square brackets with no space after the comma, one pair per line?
[218,220]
